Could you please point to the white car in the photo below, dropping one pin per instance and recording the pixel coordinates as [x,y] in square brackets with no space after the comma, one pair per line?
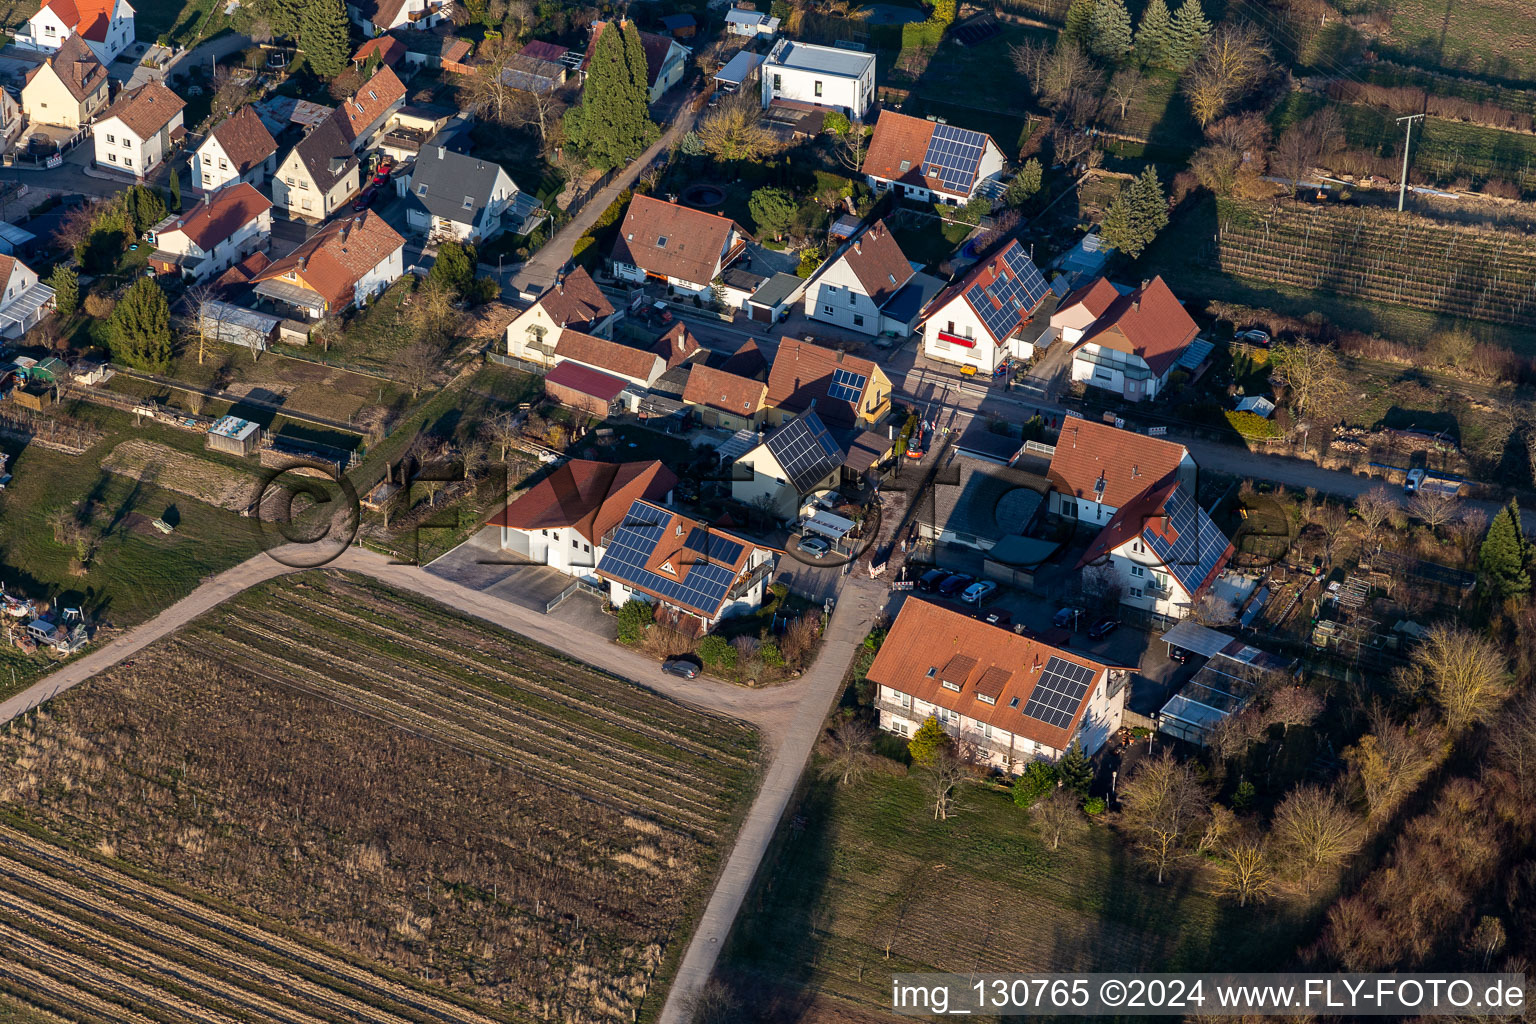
[978,592]
[813,546]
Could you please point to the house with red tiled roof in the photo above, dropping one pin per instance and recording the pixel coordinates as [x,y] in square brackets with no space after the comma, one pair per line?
[1079,308]
[1005,698]
[854,287]
[845,391]
[138,131]
[929,161]
[376,17]
[239,148]
[387,49]
[635,366]
[990,313]
[574,301]
[362,116]
[683,248]
[213,236]
[347,262]
[105,25]
[724,400]
[562,520]
[1098,469]
[1133,345]
[665,59]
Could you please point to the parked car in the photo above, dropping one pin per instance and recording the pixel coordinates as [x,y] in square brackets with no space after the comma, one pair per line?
[999,617]
[813,546]
[1103,627]
[955,584]
[978,592]
[679,667]
[1415,478]
[365,199]
[1177,654]
[1066,618]
[1254,336]
[381,174]
[930,580]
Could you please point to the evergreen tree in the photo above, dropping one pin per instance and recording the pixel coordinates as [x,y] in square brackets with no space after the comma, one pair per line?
[283,16]
[1153,33]
[1136,216]
[1025,183]
[1036,780]
[175,203]
[143,207]
[66,291]
[612,124]
[1110,30]
[454,267]
[925,744]
[1505,555]
[1079,26]
[1188,33]
[1075,770]
[324,37]
[139,329]
[773,210]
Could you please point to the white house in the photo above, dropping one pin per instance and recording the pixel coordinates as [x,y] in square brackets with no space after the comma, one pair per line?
[985,316]
[666,59]
[1134,344]
[375,17]
[454,195]
[1079,309]
[636,366]
[24,300]
[105,25]
[138,131]
[563,520]
[239,148]
[742,22]
[789,468]
[824,76]
[319,175]
[347,262]
[1098,469]
[852,288]
[574,301]
[679,246]
[1010,699]
[225,228]
[929,161]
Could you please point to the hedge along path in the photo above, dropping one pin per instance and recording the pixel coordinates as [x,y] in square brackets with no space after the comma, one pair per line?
[225,937]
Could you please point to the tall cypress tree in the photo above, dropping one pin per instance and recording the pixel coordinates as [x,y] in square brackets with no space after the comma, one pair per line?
[324,38]
[1079,26]
[612,125]
[1136,216]
[1153,33]
[139,330]
[1110,30]
[1189,32]
[1505,554]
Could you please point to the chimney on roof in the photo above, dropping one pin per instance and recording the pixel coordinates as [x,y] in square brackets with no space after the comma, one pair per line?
[303,262]
[440,151]
[858,246]
[207,198]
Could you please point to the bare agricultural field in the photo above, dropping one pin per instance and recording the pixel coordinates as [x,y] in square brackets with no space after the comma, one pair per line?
[330,801]
[1494,38]
[183,473]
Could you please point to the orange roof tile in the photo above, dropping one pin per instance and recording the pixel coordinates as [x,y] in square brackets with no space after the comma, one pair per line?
[77,67]
[606,355]
[716,389]
[592,497]
[146,109]
[1149,322]
[336,258]
[374,98]
[218,217]
[1128,463]
[664,238]
[1096,297]
[802,373]
[388,49]
[575,300]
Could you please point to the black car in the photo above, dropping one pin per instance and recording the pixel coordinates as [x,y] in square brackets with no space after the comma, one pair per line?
[956,583]
[930,580]
[1102,628]
[1177,654]
[679,667]
[998,617]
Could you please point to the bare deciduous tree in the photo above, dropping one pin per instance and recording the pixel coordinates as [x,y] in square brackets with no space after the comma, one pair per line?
[1434,507]
[1124,88]
[537,110]
[950,765]
[1165,806]
[1234,60]
[1059,815]
[1374,507]
[1465,672]
[734,132]
[1311,373]
[847,749]
[1315,828]
[1056,73]
[504,431]
[1292,705]
[1514,748]
[416,366]
[1245,872]
[1390,760]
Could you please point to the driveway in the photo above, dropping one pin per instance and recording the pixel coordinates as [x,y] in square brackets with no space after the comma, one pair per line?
[480,565]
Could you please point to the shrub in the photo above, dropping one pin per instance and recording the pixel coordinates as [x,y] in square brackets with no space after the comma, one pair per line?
[99,306]
[1037,779]
[771,655]
[1094,806]
[717,652]
[1251,424]
[634,617]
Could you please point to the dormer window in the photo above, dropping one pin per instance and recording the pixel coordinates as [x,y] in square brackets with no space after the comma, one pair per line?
[985,699]
[469,202]
[667,568]
[948,685]
[421,189]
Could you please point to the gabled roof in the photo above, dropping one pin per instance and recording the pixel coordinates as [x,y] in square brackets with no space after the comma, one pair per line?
[805,451]
[915,151]
[1031,689]
[804,375]
[1004,290]
[77,67]
[592,497]
[676,346]
[606,355]
[388,49]
[716,389]
[454,186]
[372,102]
[575,300]
[746,361]
[877,261]
[1127,463]
[675,559]
[678,241]
[244,139]
[338,255]
[1149,322]
[1096,297]
[541,49]
[218,217]
[656,50]
[66,11]
[381,14]
[439,42]
[147,109]
[326,153]
[1175,530]
[95,18]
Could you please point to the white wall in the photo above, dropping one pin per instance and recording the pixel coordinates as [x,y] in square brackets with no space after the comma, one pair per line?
[837,297]
[1113,379]
[957,318]
[1146,583]
[386,273]
[562,548]
[767,479]
[1087,510]
[853,96]
[212,169]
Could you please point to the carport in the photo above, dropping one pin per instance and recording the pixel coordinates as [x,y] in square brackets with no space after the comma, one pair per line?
[1196,639]
[832,527]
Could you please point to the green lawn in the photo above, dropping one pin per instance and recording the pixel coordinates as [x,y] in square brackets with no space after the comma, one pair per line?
[926,239]
[182,22]
[1492,38]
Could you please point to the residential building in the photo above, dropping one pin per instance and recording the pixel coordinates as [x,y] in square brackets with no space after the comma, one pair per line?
[137,132]
[1163,550]
[388,49]
[536,68]
[983,317]
[682,247]
[24,300]
[724,400]
[825,76]
[1131,348]
[632,365]
[349,261]
[363,116]
[376,17]
[845,391]
[455,196]
[215,235]
[741,22]
[580,387]
[789,468]
[1098,469]
[563,520]
[694,574]
[319,175]
[439,48]
[106,26]
[573,301]
[68,89]
[665,59]
[1010,699]
[11,120]
[1080,308]
[976,504]
[239,148]
[929,161]
[852,288]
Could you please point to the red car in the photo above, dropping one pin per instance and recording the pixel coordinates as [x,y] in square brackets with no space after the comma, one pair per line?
[366,199]
[381,175]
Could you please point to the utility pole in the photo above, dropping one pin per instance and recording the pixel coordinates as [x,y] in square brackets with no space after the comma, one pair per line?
[1402,186]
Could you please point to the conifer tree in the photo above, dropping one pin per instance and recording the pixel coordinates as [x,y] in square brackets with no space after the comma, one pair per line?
[1075,770]
[65,283]
[1190,29]
[1110,30]
[324,38]
[175,203]
[1079,26]
[1153,33]
[1505,555]
[1136,216]
[926,743]
[139,330]
[612,125]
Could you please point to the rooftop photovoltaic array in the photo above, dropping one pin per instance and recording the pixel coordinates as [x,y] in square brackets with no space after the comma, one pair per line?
[953,156]
[846,385]
[1057,696]
[805,450]
[1015,294]
[1197,543]
[702,581]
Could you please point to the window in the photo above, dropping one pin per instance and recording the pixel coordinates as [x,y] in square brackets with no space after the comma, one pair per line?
[1069,508]
[469,202]
[127,161]
[127,142]
[906,165]
[858,320]
[661,242]
[950,686]
[987,700]
[827,309]
[1135,591]
[575,543]
[906,701]
[111,140]
[586,547]
[223,164]
[1138,571]
[778,82]
[288,180]
[207,178]
[112,157]
[949,328]
[818,87]
[421,189]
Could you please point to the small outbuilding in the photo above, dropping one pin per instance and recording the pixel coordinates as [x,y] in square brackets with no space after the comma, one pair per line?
[739,72]
[233,436]
[583,388]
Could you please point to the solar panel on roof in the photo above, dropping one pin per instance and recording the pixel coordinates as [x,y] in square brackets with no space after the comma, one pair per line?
[1197,544]
[702,582]
[954,155]
[1056,697]
[846,385]
[805,450]
[1012,297]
